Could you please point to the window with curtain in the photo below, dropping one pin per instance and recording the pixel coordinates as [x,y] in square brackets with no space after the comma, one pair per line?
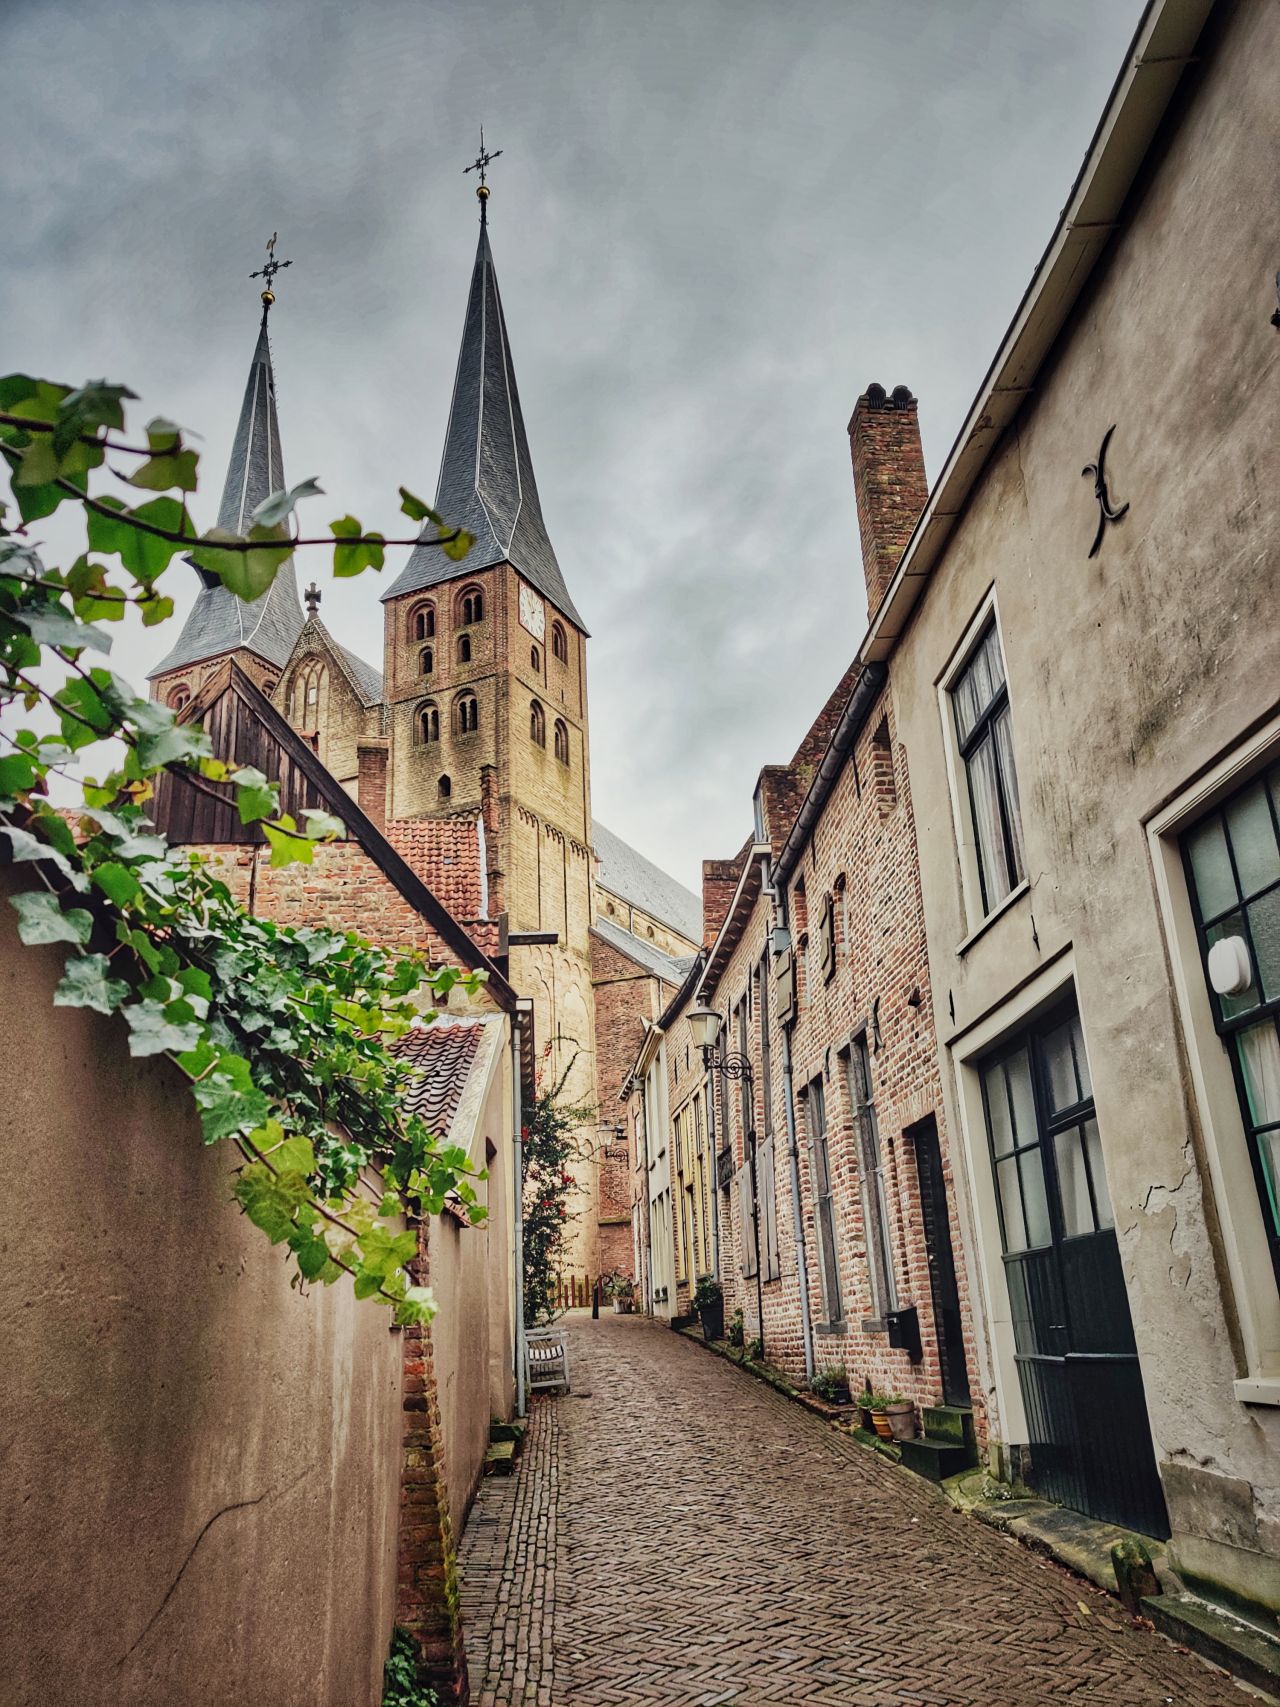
[980,702]
[875,1202]
[1232,861]
[815,1113]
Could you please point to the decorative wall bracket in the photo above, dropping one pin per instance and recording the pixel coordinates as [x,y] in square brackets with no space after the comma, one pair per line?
[1106,511]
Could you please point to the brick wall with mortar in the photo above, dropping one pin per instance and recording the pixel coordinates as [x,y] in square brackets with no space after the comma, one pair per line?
[889,480]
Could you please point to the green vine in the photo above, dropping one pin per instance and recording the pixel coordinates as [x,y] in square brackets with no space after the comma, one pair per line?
[282,1033]
[550,1139]
[400,1685]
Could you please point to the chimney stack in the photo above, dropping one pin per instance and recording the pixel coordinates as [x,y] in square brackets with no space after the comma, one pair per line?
[888,481]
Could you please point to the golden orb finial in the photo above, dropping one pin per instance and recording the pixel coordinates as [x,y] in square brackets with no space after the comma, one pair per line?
[482,191]
[268,297]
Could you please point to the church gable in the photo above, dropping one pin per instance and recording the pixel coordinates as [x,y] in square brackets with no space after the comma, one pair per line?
[332,698]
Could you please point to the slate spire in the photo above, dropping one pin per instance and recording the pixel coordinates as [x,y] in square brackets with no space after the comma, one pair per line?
[486,480]
[219,621]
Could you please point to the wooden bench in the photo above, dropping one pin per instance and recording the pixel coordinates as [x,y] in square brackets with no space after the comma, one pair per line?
[546,1359]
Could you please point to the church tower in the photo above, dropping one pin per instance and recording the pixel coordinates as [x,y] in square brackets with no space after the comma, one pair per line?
[486,695]
[259,636]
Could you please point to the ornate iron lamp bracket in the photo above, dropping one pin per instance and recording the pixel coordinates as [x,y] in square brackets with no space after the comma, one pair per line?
[1106,511]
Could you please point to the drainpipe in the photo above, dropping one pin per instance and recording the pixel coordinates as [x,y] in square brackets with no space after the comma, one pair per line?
[793,1155]
[518,1218]
[709,1080]
[647,1222]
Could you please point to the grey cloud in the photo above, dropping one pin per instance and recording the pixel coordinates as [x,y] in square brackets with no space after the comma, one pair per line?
[714,221]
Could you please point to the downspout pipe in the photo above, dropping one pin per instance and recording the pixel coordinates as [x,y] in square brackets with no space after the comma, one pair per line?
[793,1156]
[517,1169]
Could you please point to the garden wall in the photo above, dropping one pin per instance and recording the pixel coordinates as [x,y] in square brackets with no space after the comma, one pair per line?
[201,1470]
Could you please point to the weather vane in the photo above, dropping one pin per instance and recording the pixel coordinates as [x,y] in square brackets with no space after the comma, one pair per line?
[480,164]
[268,273]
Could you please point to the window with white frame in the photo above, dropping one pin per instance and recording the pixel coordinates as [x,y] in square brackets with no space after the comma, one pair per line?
[979,695]
[1232,859]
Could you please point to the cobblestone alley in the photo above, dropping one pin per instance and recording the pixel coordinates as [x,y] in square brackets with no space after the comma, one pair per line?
[679,1533]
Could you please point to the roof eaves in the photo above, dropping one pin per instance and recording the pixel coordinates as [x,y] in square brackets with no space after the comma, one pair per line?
[1161,47]
[734,923]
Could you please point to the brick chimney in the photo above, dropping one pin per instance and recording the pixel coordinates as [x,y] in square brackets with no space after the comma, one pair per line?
[888,481]
[371,779]
[719,881]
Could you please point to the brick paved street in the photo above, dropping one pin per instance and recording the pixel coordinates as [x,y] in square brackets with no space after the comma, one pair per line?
[679,1533]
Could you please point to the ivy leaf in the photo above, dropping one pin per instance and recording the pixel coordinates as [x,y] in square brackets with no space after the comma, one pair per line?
[83,715]
[294,1156]
[17,773]
[351,560]
[144,554]
[256,797]
[152,1030]
[277,507]
[287,846]
[455,550]
[323,826]
[41,919]
[116,882]
[229,1101]
[417,510]
[87,984]
[162,740]
[95,405]
[36,502]
[171,469]
[33,399]
[247,573]
[51,625]
[23,845]
[270,1200]
[416,1308]
[155,609]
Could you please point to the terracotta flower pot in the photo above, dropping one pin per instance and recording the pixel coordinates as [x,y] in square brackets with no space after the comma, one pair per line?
[882,1425]
[902,1421]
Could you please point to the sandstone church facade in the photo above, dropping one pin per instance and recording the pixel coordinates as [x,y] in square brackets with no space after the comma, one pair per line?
[471,743]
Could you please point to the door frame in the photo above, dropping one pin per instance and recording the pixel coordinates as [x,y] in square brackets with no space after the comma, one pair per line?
[925,1134]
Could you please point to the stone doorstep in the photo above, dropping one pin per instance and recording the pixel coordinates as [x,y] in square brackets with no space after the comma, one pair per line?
[1244,1649]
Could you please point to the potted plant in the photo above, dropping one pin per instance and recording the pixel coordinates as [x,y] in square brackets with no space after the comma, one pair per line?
[737,1331]
[900,1414]
[708,1301]
[865,1418]
[831,1385]
[622,1289]
[879,1415]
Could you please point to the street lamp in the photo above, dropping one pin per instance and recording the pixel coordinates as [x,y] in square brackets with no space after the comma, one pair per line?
[705,1026]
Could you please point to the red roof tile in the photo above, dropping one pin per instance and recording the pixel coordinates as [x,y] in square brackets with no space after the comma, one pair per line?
[443,1052]
[445,854]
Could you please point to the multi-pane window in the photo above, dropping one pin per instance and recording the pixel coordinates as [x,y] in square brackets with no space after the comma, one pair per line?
[875,1202]
[816,1120]
[1044,1138]
[980,700]
[1233,868]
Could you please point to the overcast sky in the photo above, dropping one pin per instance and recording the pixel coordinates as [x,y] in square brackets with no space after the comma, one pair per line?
[714,223]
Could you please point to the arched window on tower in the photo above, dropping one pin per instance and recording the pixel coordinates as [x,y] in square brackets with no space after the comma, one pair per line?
[466,714]
[428,723]
[464,648]
[178,697]
[471,606]
[444,788]
[537,724]
[559,642]
[562,741]
[422,623]
[535,658]
[426,661]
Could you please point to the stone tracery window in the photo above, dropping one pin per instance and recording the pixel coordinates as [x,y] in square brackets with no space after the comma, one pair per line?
[304,700]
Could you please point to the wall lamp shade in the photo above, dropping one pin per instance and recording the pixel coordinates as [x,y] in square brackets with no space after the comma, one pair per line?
[704,1025]
[1230,972]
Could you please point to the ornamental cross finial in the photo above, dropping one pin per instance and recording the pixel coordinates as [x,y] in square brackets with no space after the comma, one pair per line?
[268,273]
[312,596]
[480,164]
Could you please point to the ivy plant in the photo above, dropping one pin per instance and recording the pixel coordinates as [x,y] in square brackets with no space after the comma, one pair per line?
[550,1139]
[282,1034]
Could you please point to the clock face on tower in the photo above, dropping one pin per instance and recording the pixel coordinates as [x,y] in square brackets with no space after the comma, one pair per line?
[533,614]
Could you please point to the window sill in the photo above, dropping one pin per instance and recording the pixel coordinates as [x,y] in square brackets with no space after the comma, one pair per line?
[1262,1390]
[999,911]
[830,1328]
[875,1326]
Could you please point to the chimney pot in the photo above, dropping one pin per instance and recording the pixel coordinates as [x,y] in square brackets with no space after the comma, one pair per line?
[888,481]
